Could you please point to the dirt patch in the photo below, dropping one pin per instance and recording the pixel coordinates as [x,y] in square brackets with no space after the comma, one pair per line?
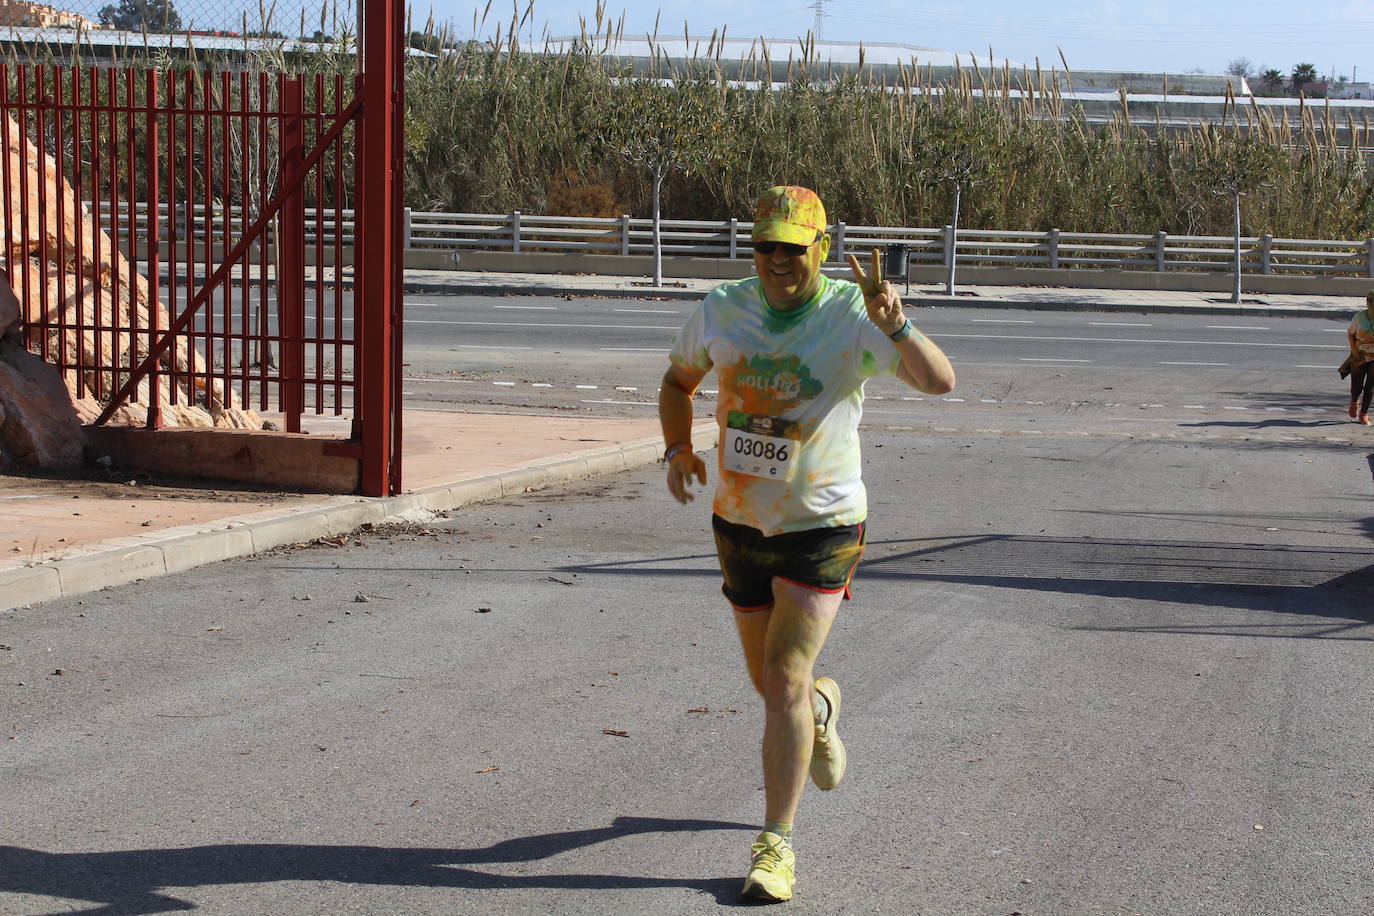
[117,484]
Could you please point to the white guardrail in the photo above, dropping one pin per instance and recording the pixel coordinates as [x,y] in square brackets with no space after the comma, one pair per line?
[1054,248]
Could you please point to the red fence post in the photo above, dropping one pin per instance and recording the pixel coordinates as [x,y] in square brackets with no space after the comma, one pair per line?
[377,395]
[153,195]
[290,283]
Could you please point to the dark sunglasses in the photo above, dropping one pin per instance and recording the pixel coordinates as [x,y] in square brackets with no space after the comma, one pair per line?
[792,251]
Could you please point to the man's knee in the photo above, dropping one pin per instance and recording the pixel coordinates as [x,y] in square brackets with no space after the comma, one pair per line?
[786,680]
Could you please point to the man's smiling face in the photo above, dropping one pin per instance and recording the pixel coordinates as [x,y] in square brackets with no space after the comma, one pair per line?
[790,280]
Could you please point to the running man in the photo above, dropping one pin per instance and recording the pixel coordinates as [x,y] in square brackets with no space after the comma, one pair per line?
[791,349]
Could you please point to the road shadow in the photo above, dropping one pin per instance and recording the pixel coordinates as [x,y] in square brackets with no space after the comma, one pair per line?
[1334,587]
[1274,423]
[1333,399]
[131,881]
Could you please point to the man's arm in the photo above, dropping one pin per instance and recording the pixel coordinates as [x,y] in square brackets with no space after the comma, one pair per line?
[675,416]
[924,365]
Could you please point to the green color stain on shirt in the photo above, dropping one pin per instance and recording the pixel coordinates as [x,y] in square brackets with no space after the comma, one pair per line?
[870,363]
[776,322]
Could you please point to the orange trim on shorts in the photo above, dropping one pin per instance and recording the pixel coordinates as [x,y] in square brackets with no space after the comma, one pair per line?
[816,588]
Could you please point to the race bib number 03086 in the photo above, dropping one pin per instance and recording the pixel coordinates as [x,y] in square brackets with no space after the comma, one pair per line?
[761,446]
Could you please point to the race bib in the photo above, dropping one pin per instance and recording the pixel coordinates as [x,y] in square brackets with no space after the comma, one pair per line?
[761,446]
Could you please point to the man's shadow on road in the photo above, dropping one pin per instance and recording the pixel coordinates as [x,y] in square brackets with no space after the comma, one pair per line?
[128,881]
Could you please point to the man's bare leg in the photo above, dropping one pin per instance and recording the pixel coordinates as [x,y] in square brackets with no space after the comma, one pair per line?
[780,648]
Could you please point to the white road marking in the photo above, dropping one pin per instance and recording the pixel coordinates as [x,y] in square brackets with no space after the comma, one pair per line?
[1234,327]
[540,385]
[505,384]
[586,387]
[1235,408]
[1193,407]
[590,327]
[647,311]
[446,381]
[1031,359]
[1118,324]
[625,388]
[634,350]
[1165,362]
[609,401]
[1120,340]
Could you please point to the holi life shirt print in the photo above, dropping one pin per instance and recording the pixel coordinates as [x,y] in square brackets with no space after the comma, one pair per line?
[790,399]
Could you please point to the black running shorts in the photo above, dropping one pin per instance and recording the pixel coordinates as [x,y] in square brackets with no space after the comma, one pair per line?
[821,559]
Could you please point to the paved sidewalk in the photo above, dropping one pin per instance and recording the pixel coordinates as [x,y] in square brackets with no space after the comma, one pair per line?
[491,283]
[53,544]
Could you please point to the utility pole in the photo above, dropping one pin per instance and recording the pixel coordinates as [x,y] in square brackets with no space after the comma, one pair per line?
[818,29]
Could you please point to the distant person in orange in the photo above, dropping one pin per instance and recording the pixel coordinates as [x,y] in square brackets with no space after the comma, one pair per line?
[1361,335]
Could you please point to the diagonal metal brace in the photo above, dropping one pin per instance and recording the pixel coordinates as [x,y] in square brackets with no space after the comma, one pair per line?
[203,295]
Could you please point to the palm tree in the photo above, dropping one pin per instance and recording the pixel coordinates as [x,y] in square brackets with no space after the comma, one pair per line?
[1302,74]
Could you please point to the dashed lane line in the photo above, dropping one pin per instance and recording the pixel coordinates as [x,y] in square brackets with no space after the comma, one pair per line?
[876,397]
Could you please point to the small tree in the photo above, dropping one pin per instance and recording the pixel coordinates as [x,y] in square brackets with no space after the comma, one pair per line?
[1240,66]
[141,16]
[666,128]
[960,151]
[1235,164]
[1272,80]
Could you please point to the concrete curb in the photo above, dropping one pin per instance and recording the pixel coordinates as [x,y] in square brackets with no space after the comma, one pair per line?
[1139,308]
[125,560]
[915,299]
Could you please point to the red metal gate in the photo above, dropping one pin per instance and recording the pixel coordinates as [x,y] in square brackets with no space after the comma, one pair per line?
[182,238]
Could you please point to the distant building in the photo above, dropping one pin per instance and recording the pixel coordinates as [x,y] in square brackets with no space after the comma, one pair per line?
[742,58]
[41,16]
[1352,91]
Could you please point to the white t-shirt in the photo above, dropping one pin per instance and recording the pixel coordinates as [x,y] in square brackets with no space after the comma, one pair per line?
[791,395]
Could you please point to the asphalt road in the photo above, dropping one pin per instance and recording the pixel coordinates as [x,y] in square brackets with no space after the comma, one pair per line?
[1084,672]
[1018,370]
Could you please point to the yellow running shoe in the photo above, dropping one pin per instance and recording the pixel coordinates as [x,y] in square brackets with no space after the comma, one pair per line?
[771,869]
[827,754]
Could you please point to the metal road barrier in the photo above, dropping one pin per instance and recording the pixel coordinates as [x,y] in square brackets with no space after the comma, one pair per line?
[1055,249]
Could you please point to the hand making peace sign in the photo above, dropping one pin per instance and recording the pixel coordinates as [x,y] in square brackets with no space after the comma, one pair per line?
[880,297]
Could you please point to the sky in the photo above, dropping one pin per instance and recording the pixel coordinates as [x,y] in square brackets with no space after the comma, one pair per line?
[1178,36]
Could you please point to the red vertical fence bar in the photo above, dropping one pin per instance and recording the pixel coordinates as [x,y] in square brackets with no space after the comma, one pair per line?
[152,195]
[376,394]
[291,257]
